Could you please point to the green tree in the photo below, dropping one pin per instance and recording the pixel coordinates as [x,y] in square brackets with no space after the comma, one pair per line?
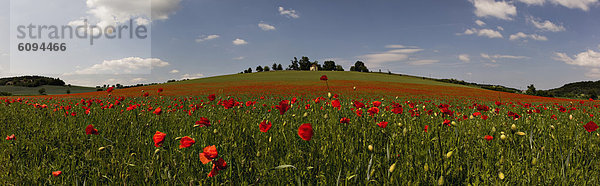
[266,69]
[294,65]
[359,66]
[279,67]
[274,67]
[305,63]
[339,68]
[42,91]
[531,90]
[329,65]
[259,69]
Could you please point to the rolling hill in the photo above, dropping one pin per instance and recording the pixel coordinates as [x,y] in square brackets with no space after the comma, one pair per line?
[290,83]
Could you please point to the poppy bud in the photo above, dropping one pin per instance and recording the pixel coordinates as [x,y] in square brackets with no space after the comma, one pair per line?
[404,131]
[329,94]
[441,180]
[426,167]
[392,167]
[502,137]
[570,117]
[534,161]
[520,133]
[371,148]
[325,116]
[156,151]
[399,124]
[552,127]
[493,129]
[215,131]
[449,154]
[101,148]
[513,127]
[305,114]
[354,88]
[269,139]
[453,123]
[501,175]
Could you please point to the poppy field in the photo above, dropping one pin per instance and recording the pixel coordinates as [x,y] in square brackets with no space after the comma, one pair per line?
[323,128]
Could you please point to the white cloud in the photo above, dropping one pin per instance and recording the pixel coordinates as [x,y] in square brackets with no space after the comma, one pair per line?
[491,8]
[206,38]
[110,12]
[192,76]
[130,65]
[239,58]
[533,2]
[589,58]
[581,4]
[174,71]
[593,73]
[239,41]
[288,13]
[138,80]
[545,25]
[399,46]
[423,62]
[521,35]
[500,28]
[396,53]
[494,58]
[480,23]
[265,26]
[142,21]
[464,57]
[483,32]
[406,50]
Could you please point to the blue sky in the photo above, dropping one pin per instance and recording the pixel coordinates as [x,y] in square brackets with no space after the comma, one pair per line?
[514,43]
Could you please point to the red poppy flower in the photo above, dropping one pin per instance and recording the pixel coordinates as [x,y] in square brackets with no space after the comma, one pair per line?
[359,112]
[203,122]
[447,122]
[264,126]
[476,114]
[345,120]
[358,104]
[56,173]
[324,78]
[382,124]
[208,154]
[11,137]
[376,103]
[373,110]
[336,104]
[160,90]
[217,166]
[159,138]
[484,117]
[157,111]
[283,107]
[91,130]
[305,131]
[186,142]
[110,89]
[553,117]
[426,127]
[146,94]
[212,97]
[590,126]
[488,137]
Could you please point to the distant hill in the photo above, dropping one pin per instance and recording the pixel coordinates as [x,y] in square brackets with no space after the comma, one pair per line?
[36,85]
[31,81]
[583,89]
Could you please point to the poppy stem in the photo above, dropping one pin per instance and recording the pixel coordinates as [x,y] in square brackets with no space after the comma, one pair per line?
[107,139]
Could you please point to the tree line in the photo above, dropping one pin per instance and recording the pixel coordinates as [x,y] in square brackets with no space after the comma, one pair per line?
[304,64]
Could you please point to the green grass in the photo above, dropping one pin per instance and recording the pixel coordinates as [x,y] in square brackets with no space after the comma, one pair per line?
[298,76]
[50,90]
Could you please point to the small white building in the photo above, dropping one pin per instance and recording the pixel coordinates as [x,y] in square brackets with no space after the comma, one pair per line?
[314,68]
